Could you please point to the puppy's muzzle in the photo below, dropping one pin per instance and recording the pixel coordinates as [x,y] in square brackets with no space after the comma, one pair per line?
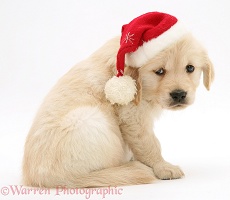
[178,96]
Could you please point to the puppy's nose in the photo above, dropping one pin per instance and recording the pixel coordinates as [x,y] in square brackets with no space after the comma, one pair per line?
[178,95]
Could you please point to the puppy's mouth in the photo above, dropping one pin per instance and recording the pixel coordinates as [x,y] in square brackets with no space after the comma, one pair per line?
[177,106]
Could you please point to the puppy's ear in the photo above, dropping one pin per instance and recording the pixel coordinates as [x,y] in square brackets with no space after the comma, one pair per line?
[208,73]
[134,73]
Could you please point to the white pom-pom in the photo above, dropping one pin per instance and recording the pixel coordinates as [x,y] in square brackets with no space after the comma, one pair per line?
[120,90]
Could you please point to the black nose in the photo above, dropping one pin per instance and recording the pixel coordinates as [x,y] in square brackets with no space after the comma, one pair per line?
[178,95]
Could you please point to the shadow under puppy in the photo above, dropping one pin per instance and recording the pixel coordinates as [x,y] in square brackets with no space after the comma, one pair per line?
[95,127]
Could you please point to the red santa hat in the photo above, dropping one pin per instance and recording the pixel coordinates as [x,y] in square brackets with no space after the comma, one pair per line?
[141,39]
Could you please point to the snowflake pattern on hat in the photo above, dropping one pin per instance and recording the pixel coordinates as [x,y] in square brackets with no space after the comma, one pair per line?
[129,38]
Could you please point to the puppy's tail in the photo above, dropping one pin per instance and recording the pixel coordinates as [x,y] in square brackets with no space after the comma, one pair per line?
[131,173]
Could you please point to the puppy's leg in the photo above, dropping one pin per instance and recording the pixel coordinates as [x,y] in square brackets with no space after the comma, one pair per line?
[136,127]
[130,173]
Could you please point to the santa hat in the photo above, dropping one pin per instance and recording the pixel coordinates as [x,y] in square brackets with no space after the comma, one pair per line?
[141,39]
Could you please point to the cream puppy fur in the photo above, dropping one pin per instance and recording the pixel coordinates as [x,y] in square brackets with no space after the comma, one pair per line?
[79,139]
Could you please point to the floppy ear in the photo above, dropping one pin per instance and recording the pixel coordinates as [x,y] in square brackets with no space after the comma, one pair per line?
[134,73]
[208,73]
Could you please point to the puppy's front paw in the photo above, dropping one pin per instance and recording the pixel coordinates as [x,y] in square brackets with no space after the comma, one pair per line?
[164,170]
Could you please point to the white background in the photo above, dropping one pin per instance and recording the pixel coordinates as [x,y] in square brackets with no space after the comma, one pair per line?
[40,40]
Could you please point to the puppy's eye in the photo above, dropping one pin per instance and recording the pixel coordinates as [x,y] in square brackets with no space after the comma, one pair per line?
[160,72]
[190,68]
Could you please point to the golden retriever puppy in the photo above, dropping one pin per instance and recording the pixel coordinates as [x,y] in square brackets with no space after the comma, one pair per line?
[80,139]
